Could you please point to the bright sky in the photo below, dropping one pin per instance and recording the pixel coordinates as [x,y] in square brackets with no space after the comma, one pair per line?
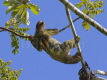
[39,65]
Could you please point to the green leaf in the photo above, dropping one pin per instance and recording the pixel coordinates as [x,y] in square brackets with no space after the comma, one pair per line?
[93,13]
[10,8]
[99,11]
[16,10]
[10,2]
[85,11]
[7,25]
[14,43]
[19,15]
[34,8]
[86,25]
[24,29]
[6,73]
[13,14]
[8,63]
[78,5]
[25,19]
[13,78]
[6,3]
[15,51]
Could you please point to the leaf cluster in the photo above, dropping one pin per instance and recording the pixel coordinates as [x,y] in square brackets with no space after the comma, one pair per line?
[18,9]
[6,73]
[13,25]
[19,15]
[90,8]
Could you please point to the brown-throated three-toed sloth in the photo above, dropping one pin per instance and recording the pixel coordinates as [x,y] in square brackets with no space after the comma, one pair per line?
[42,40]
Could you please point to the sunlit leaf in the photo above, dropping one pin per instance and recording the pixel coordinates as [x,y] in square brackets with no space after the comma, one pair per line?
[10,2]
[19,15]
[16,10]
[85,11]
[6,73]
[96,5]
[13,14]
[13,78]
[78,5]
[25,19]
[93,13]
[34,8]
[86,25]
[21,69]
[7,24]
[10,8]
[14,43]
[99,11]
[15,51]
[10,61]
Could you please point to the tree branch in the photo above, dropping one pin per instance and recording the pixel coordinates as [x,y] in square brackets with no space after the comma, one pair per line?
[84,16]
[9,30]
[75,35]
[97,78]
[99,72]
[69,25]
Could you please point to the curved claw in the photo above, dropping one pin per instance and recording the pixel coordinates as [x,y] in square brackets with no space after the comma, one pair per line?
[77,39]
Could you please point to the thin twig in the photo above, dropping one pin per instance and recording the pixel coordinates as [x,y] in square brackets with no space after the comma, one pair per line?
[5,29]
[68,25]
[74,33]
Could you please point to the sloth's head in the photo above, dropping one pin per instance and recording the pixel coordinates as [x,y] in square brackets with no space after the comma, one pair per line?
[40,26]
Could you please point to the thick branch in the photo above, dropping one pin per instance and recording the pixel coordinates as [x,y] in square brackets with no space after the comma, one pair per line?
[84,17]
[5,29]
[99,72]
[97,78]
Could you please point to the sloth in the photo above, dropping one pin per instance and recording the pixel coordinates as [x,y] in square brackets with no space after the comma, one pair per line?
[42,40]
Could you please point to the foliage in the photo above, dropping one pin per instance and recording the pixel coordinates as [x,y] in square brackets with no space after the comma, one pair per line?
[90,8]
[19,15]
[19,10]
[6,73]
[13,25]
